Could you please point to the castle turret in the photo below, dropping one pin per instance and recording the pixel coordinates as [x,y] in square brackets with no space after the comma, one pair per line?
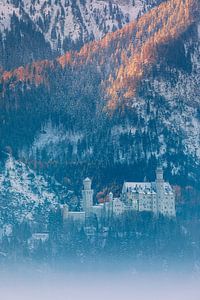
[159,174]
[110,204]
[110,196]
[65,212]
[87,195]
[160,188]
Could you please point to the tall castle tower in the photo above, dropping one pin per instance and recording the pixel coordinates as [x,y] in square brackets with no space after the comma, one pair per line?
[65,211]
[87,195]
[159,188]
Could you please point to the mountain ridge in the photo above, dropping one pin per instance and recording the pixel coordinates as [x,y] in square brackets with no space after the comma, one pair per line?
[45,29]
[134,65]
[160,122]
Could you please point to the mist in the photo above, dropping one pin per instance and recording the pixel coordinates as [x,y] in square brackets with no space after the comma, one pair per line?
[98,286]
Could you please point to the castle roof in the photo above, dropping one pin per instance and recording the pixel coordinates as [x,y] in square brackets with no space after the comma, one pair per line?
[145,187]
[87,179]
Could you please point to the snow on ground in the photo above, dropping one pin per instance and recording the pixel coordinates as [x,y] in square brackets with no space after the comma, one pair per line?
[22,189]
[51,137]
[6,11]
[131,10]
[184,114]
[81,20]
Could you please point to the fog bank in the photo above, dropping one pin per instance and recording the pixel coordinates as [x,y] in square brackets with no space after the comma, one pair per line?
[85,286]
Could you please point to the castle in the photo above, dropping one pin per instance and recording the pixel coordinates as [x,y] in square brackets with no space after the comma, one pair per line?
[157,197]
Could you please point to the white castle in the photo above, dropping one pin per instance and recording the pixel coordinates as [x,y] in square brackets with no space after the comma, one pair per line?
[157,197]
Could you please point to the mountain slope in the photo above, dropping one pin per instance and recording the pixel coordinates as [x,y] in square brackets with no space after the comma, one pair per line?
[135,48]
[24,194]
[152,65]
[32,30]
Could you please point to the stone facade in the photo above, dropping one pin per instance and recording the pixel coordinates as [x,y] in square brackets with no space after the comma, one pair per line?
[157,197]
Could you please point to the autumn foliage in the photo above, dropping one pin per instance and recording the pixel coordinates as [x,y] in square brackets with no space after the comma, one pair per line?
[161,25]
[123,57]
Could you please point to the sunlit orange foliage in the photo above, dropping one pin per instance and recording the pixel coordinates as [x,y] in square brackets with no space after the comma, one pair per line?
[35,73]
[65,59]
[125,56]
[161,25]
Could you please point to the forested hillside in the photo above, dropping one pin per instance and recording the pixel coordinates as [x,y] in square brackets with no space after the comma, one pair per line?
[124,101]
[39,29]
[110,96]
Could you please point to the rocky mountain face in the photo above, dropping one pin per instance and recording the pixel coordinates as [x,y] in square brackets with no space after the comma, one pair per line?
[26,196]
[43,29]
[113,109]
[39,29]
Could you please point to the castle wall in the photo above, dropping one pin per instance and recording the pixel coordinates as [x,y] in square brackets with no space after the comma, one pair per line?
[157,197]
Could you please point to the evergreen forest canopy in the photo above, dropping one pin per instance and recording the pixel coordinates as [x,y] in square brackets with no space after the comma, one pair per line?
[110,111]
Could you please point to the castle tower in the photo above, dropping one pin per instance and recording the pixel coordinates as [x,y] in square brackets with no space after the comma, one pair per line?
[159,188]
[65,212]
[159,174]
[110,196]
[87,195]
[110,205]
